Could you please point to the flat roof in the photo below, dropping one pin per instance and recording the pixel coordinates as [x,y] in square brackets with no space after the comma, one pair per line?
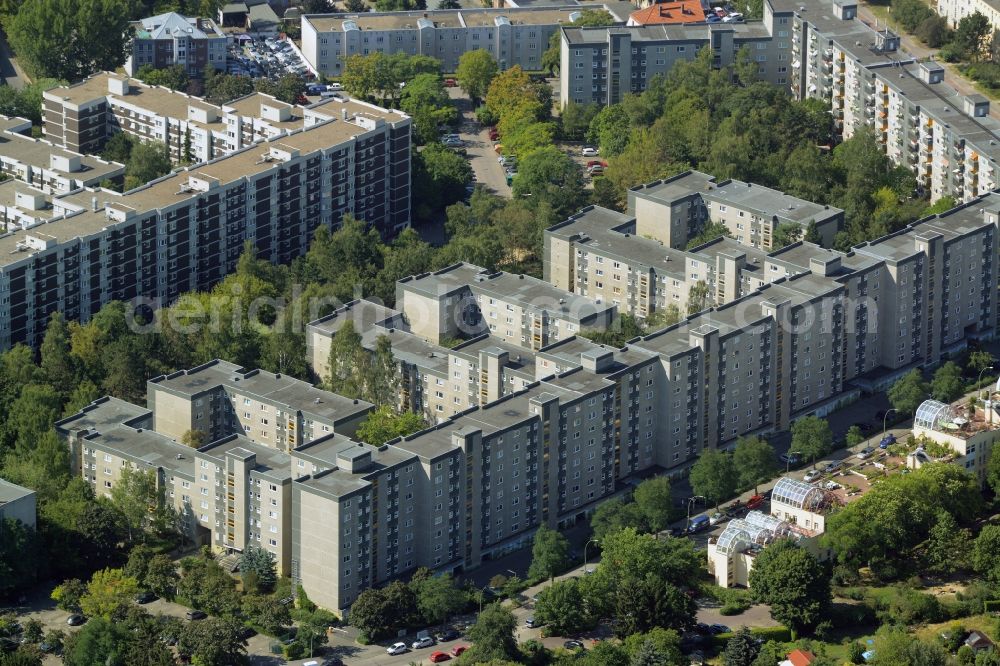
[148,446]
[38,154]
[449,18]
[10,492]
[270,462]
[102,413]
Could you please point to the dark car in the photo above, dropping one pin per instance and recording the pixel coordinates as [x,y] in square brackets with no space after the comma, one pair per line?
[703,628]
[887,441]
[719,629]
[865,428]
[145,597]
[573,645]
[75,620]
[446,635]
[196,615]
[247,632]
[832,466]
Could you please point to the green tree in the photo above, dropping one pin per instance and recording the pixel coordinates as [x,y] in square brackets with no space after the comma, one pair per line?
[513,88]
[910,13]
[426,101]
[709,233]
[742,649]
[69,39]
[439,179]
[894,646]
[654,500]
[438,598]
[610,130]
[854,436]
[384,424]
[382,385]
[476,70]
[984,553]
[345,368]
[212,642]
[947,384]
[993,470]
[224,88]
[109,593]
[141,500]
[56,361]
[174,77]
[492,636]
[266,612]
[970,35]
[785,234]
[549,554]
[561,607]
[148,161]
[371,613]
[21,554]
[550,177]
[666,641]
[792,582]
[754,460]
[908,392]
[714,476]
[614,515]
[648,655]
[812,437]
[575,119]
[263,564]
[67,595]
[663,317]
[948,548]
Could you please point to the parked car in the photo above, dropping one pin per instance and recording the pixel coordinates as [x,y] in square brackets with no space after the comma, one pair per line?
[532,623]
[195,615]
[458,650]
[755,502]
[446,635]
[716,518]
[334,86]
[424,642]
[507,160]
[75,620]
[589,152]
[494,134]
[812,475]
[145,597]
[887,441]
[573,645]
[397,648]
[791,458]
[735,509]
[450,83]
[832,466]
[698,523]
[719,629]
[333,661]
[510,177]
[438,656]
[595,170]
[866,452]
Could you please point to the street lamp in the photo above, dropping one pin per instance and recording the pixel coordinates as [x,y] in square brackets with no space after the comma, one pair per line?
[687,525]
[481,595]
[886,416]
[989,367]
[585,553]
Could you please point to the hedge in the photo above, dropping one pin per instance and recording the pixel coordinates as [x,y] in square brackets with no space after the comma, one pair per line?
[777,634]
[991,606]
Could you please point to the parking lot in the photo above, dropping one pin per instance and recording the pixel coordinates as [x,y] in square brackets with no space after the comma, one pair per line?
[266,58]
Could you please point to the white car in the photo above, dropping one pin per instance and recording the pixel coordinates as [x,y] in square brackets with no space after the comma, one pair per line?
[424,642]
[397,648]
[812,475]
[334,86]
[589,152]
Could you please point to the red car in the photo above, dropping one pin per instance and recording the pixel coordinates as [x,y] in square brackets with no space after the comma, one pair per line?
[450,83]
[494,134]
[458,650]
[593,163]
[755,502]
[438,657]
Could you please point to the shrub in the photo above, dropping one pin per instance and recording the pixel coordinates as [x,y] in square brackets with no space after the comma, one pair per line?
[966,655]
[776,634]
[294,650]
[855,653]
[732,608]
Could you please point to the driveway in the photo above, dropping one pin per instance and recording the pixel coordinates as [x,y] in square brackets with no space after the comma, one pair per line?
[478,146]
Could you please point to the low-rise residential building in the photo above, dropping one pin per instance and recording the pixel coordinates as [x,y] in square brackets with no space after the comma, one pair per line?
[171,39]
[964,435]
[513,36]
[798,512]
[669,13]
[17,503]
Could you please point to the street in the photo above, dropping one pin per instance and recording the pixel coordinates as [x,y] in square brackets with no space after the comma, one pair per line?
[10,70]
[478,146]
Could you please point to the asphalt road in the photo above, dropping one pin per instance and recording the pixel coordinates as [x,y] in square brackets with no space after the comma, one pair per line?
[11,72]
[478,146]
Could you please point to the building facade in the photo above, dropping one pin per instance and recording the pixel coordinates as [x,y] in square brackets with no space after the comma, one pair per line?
[171,39]
[513,36]
[17,503]
[187,230]
[818,49]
